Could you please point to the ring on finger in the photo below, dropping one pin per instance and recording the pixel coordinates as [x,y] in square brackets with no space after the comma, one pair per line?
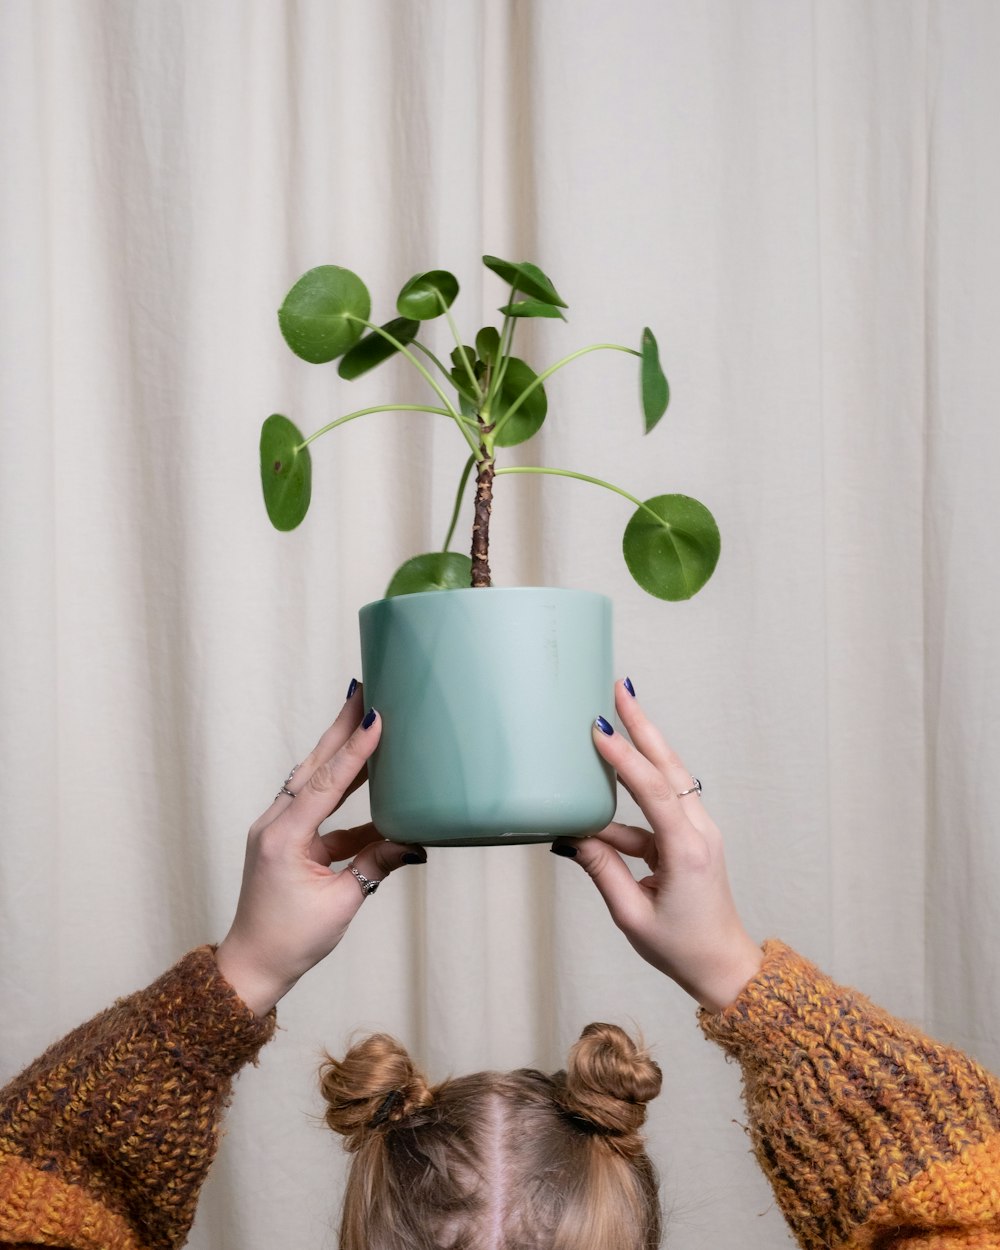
[695,788]
[368,885]
[284,785]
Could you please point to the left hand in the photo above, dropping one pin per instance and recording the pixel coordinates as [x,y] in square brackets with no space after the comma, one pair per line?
[293,909]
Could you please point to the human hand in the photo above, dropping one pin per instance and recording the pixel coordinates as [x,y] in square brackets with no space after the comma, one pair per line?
[681,918]
[293,910]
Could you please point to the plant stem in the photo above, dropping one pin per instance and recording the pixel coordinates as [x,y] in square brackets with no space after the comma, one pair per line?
[481,525]
[463,353]
[458,500]
[503,348]
[430,356]
[364,412]
[427,377]
[594,347]
[583,477]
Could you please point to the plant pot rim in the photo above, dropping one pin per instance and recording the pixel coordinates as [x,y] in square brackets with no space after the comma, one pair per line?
[526,591]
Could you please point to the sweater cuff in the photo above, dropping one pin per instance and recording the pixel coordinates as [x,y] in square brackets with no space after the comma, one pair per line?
[847,1105]
[195,1010]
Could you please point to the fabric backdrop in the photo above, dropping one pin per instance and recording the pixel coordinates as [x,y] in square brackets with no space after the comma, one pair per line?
[802,200]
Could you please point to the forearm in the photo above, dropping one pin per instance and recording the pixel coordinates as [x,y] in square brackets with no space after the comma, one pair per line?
[858,1120]
[119,1120]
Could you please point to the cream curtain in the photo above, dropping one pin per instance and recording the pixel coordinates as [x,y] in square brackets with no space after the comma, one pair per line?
[802,199]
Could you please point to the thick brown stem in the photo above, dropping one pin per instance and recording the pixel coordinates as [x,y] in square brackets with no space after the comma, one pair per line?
[481,524]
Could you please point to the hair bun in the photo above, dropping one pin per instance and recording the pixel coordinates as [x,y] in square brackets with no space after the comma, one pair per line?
[609,1080]
[374,1086]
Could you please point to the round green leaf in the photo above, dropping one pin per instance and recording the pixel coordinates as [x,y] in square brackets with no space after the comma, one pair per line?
[655,391]
[285,472]
[487,344]
[529,417]
[526,278]
[427,295]
[436,570]
[321,313]
[373,349]
[672,558]
[531,308]
[460,380]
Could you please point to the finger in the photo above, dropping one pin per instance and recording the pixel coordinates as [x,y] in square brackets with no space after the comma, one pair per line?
[375,862]
[330,780]
[651,743]
[627,840]
[644,734]
[628,904]
[652,789]
[332,739]
[343,844]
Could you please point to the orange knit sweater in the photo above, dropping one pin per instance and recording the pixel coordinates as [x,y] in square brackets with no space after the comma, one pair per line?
[872,1136]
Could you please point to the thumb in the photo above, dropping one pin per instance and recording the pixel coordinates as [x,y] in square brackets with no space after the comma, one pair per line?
[374,862]
[626,901]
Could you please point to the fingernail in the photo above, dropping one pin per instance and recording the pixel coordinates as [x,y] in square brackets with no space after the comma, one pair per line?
[414,857]
[604,726]
[351,688]
[369,719]
[558,848]
[629,687]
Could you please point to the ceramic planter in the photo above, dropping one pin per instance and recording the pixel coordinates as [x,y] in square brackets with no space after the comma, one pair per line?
[487,698]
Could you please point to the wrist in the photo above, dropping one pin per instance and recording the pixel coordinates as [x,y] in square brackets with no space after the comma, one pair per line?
[257,986]
[720,987]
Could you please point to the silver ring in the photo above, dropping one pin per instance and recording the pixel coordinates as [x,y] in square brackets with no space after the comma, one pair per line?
[284,785]
[367,886]
[695,788]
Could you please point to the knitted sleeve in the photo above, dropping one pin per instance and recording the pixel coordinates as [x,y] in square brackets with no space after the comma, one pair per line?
[871,1134]
[105,1140]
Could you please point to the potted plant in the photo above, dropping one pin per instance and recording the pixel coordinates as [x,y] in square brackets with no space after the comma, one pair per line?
[487,695]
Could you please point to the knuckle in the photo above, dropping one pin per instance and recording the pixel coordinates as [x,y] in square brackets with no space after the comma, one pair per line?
[660,790]
[270,843]
[323,777]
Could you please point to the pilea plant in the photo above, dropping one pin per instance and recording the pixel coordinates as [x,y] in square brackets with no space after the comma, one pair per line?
[496,400]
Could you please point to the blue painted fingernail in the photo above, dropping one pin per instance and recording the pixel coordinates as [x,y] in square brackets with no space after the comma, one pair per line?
[369,719]
[413,857]
[561,849]
[629,687]
[604,726]
[351,688]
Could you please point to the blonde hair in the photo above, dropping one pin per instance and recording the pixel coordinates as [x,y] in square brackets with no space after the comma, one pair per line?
[497,1160]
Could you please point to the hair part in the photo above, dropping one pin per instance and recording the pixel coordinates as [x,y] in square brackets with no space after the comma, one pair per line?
[497,1160]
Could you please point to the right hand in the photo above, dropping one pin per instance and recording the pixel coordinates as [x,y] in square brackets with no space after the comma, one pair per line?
[294,907]
[681,918]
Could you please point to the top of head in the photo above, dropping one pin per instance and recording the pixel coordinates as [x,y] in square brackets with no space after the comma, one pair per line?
[497,1160]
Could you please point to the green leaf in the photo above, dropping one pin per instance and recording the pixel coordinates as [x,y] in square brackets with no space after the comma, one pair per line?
[655,391]
[460,380]
[526,278]
[529,417]
[285,472]
[373,349]
[531,308]
[436,570]
[456,358]
[427,295]
[487,344]
[674,557]
[316,317]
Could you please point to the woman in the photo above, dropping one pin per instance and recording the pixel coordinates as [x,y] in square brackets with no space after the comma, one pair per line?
[870,1134]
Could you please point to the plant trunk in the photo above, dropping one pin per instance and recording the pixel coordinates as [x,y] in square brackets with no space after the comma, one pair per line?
[481,524]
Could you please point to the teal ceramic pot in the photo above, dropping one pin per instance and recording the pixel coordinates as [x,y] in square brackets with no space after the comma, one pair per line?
[487,699]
